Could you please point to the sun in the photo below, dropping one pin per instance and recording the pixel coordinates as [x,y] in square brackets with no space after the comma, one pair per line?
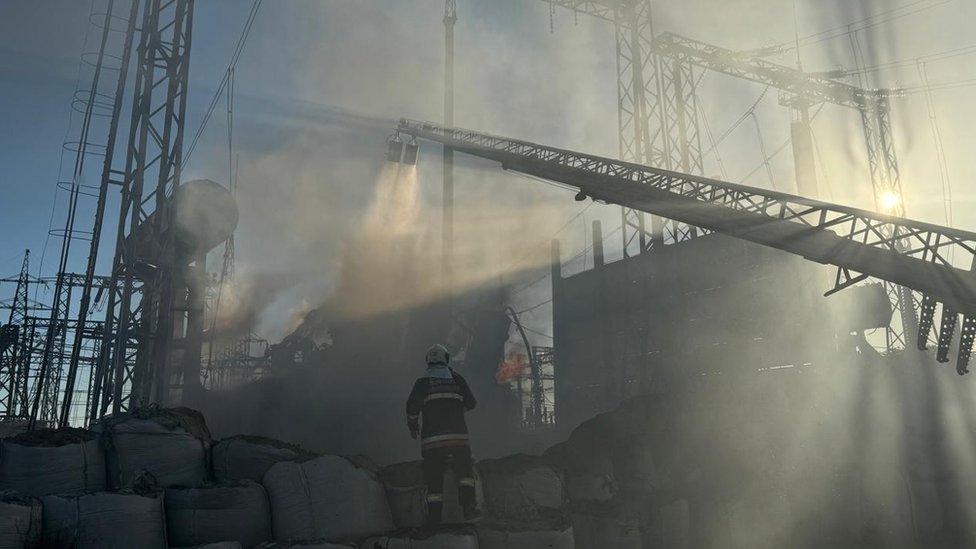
[889,201]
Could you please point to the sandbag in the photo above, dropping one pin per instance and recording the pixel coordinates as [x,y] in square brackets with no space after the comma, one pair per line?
[218,545]
[406,493]
[50,461]
[104,520]
[445,537]
[246,457]
[313,544]
[240,513]
[520,487]
[326,497]
[525,536]
[599,528]
[20,520]
[170,444]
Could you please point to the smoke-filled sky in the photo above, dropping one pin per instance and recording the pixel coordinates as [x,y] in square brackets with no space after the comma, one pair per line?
[306,182]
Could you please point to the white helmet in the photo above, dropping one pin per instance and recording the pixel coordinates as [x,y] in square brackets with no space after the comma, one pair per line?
[438,355]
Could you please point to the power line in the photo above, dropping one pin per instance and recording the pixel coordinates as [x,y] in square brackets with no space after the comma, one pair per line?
[939,147]
[762,151]
[536,306]
[738,122]
[778,150]
[536,332]
[909,62]
[225,79]
[866,23]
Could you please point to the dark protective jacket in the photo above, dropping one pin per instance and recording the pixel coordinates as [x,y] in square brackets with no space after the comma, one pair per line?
[436,408]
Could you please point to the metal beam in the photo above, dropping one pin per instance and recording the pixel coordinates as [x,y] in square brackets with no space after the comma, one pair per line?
[135,352]
[897,250]
[797,84]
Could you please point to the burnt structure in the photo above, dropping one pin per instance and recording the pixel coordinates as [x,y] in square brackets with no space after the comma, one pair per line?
[711,311]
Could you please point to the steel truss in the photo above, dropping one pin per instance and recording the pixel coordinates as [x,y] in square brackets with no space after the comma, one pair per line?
[101,101]
[656,107]
[14,347]
[860,243]
[799,90]
[134,358]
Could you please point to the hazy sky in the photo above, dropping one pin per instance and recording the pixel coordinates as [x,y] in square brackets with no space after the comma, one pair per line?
[305,182]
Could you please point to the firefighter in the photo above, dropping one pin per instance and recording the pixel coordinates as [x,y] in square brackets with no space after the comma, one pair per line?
[435,413]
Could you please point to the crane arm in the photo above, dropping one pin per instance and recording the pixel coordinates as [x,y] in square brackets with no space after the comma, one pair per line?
[910,253]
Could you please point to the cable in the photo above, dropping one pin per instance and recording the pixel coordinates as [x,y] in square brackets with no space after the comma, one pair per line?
[762,150]
[822,164]
[536,332]
[904,63]
[738,122]
[224,80]
[868,22]
[536,306]
[714,147]
[939,148]
[778,149]
[563,265]
[67,133]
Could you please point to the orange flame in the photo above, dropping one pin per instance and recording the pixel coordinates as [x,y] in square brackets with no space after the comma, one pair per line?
[516,362]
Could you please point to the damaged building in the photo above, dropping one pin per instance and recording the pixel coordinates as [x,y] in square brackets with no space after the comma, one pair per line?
[222,355]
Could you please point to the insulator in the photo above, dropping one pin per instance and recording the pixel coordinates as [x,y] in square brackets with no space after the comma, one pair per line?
[966,337]
[926,316]
[949,320]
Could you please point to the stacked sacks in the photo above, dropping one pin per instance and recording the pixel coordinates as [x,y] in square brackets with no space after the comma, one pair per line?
[326,497]
[48,461]
[617,525]
[218,545]
[524,503]
[624,471]
[20,521]
[169,444]
[105,520]
[406,493]
[553,533]
[313,544]
[197,516]
[520,486]
[444,537]
[245,457]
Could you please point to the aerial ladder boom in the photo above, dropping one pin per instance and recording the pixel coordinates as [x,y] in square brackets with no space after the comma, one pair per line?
[860,243]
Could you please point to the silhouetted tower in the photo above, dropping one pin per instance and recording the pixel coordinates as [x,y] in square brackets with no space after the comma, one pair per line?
[447,230]
[133,365]
[14,348]
[99,106]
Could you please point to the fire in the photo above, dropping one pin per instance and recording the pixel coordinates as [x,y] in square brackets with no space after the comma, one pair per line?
[515,363]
